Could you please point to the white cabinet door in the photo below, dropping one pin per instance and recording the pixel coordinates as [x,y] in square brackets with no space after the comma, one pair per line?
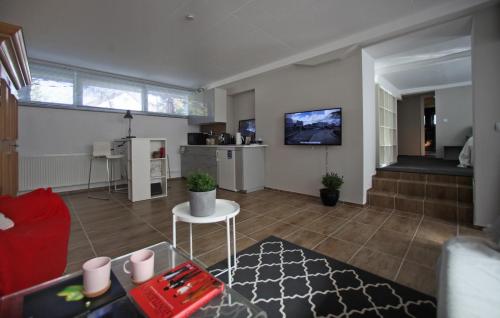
[226,169]
[140,169]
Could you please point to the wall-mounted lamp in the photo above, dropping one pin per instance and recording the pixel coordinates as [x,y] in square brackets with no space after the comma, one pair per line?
[128,115]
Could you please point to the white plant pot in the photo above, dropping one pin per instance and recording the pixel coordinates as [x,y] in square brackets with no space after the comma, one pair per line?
[202,203]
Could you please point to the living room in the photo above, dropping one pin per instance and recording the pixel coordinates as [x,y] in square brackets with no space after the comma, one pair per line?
[267,101]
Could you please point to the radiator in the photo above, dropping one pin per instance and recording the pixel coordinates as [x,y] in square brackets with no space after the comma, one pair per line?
[62,170]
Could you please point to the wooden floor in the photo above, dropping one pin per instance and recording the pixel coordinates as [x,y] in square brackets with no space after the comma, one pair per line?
[400,246]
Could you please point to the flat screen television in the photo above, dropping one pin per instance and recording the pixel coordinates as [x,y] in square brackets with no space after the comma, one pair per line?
[314,127]
[247,127]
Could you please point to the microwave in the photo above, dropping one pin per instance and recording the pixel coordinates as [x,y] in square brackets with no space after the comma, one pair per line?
[197,138]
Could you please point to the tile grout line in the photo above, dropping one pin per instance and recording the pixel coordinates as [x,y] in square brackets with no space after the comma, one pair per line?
[138,217]
[81,224]
[375,232]
[408,248]
[337,230]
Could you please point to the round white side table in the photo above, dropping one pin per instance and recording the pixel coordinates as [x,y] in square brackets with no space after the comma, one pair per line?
[225,210]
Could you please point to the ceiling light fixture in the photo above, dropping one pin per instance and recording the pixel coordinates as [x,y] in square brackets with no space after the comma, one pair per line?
[189,17]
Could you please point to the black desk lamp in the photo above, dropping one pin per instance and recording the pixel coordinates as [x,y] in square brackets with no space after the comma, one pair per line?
[128,115]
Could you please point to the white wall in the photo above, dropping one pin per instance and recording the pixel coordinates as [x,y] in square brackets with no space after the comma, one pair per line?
[369,122]
[411,126]
[48,131]
[453,117]
[486,111]
[294,88]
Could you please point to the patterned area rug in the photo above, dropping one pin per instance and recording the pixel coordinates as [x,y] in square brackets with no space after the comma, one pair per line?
[287,280]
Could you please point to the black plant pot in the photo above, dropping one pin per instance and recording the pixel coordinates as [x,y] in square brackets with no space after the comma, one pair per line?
[329,197]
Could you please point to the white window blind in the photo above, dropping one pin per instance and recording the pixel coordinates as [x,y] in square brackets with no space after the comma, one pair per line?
[167,100]
[103,93]
[49,85]
[77,88]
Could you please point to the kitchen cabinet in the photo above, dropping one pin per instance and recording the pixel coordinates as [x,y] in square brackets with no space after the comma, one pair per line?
[235,167]
[198,158]
[215,101]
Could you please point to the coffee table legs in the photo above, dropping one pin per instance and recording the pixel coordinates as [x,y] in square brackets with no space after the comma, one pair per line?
[234,242]
[230,260]
[191,240]
[174,234]
[228,231]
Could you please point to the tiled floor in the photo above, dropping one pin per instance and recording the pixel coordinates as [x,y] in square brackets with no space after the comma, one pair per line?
[397,245]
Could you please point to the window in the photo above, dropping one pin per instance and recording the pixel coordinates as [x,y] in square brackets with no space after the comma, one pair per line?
[170,101]
[76,88]
[99,93]
[49,86]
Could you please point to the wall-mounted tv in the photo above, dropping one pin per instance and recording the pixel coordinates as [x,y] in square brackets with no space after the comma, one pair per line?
[247,127]
[314,127]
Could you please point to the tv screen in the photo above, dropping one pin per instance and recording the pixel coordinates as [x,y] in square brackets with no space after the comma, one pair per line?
[315,127]
[247,127]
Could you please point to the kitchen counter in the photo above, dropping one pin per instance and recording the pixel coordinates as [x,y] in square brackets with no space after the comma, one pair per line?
[235,167]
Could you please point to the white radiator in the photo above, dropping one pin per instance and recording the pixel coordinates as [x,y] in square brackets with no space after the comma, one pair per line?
[61,170]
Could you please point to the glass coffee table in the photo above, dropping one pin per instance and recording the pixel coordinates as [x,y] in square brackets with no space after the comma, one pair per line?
[228,304]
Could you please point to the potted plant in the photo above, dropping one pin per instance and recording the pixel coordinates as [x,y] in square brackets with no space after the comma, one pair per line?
[201,194]
[330,193]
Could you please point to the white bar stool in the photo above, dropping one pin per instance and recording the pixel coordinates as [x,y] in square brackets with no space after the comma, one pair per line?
[102,150]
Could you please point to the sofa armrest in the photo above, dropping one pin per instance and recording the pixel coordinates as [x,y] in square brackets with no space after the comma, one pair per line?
[469,279]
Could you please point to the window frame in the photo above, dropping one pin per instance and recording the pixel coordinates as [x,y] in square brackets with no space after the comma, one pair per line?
[80,74]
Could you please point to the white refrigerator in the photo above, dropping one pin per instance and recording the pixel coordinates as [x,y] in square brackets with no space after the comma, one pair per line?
[226,169]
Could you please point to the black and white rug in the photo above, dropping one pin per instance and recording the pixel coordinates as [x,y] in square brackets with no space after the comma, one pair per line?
[287,280]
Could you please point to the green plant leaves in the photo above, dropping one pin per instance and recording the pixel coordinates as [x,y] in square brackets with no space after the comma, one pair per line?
[332,181]
[201,182]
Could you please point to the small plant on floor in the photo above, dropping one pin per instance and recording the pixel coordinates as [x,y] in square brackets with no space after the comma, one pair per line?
[330,193]
[201,194]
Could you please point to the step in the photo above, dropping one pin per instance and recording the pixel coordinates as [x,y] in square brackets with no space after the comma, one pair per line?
[447,210]
[381,199]
[424,189]
[385,184]
[424,177]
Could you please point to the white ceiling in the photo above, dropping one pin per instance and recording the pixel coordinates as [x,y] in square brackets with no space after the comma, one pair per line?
[152,40]
[428,59]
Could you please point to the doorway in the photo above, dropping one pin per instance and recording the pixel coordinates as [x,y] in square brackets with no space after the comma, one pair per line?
[429,126]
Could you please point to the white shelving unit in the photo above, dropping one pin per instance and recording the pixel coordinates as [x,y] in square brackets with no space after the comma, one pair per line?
[388,130]
[147,174]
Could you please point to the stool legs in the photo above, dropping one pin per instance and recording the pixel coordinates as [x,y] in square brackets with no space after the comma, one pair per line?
[109,177]
[90,176]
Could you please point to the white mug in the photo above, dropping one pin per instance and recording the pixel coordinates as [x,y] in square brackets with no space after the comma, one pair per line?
[96,274]
[143,265]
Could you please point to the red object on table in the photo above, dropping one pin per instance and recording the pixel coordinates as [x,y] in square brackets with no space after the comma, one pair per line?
[36,248]
[179,296]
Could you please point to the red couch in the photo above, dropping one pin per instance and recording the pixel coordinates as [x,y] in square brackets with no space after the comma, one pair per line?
[35,249]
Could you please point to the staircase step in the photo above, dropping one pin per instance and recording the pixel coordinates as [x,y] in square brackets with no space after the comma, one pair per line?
[409,203]
[441,209]
[448,198]
[381,199]
[385,184]
[424,177]
[411,188]
[424,189]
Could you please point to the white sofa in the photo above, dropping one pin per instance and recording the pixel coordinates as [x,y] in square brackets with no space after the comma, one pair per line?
[469,278]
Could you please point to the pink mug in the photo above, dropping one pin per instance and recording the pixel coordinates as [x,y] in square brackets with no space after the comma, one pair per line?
[143,265]
[96,274]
